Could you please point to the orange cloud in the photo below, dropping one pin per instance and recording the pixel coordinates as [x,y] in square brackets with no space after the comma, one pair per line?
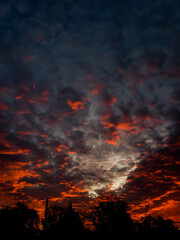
[44,97]
[168,209]
[71,152]
[14,173]
[73,190]
[23,133]
[41,163]
[47,170]
[3,140]
[113,138]
[140,144]
[61,147]
[125,126]
[19,151]
[75,105]
[105,120]
[112,142]
[19,97]
[44,135]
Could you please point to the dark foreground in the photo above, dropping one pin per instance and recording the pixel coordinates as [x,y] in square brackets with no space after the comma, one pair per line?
[108,219]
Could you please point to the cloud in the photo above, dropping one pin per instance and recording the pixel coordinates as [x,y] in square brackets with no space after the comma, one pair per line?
[89,101]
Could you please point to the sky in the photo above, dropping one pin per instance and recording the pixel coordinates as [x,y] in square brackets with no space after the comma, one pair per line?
[89,103]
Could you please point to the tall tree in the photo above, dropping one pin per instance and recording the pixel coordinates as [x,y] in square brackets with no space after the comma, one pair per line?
[60,220]
[111,216]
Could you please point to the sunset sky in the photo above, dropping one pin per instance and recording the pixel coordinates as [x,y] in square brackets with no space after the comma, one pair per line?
[89,103]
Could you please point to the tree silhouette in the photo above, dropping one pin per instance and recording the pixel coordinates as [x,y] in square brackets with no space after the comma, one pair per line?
[53,219]
[72,220]
[111,216]
[150,224]
[63,221]
[18,220]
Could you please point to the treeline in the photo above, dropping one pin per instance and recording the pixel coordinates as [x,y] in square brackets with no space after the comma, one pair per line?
[108,217]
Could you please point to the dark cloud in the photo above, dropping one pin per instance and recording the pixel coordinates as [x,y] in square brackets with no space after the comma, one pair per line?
[89,97]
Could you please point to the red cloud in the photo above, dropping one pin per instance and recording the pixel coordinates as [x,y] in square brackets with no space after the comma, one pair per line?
[3,106]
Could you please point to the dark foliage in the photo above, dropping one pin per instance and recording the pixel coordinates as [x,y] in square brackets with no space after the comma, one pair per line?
[62,221]
[150,224]
[109,217]
[19,220]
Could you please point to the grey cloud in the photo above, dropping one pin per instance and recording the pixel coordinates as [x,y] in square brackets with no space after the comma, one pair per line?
[64,49]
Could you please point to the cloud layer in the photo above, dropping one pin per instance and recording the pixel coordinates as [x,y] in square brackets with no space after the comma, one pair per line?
[89,102]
